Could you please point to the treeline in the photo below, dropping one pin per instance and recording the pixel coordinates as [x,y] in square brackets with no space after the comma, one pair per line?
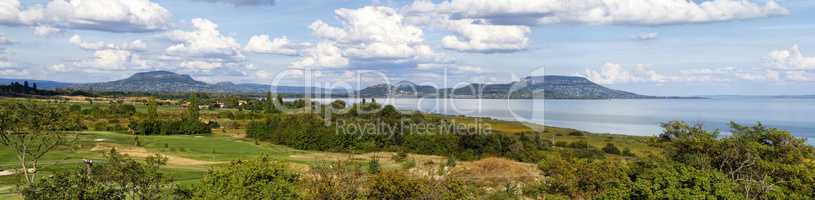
[23,89]
[315,132]
[189,124]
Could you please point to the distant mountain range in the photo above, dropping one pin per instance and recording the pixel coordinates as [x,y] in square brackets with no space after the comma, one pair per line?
[164,81]
[549,87]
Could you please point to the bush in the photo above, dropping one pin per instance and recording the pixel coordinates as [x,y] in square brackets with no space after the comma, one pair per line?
[373,166]
[117,178]
[580,144]
[396,185]
[577,133]
[627,152]
[611,149]
[261,178]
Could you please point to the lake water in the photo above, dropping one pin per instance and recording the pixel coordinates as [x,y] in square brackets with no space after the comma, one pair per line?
[629,116]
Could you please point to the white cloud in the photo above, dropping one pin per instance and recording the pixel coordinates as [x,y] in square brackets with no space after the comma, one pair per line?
[13,72]
[5,40]
[111,59]
[59,68]
[135,45]
[102,15]
[800,76]
[45,30]
[454,68]
[611,73]
[243,2]
[324,55]
[107,56]
[204,42]
[636,12]
[9,11]
[280,46]
[647,36]
[201,65]
[374,33]
[483,38]
[792,58]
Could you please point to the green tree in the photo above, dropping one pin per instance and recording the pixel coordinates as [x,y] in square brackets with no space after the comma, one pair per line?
[118,177]
[31,130]
[152,109]
[193,112]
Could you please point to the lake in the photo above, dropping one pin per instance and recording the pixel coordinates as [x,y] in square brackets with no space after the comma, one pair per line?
[628,116]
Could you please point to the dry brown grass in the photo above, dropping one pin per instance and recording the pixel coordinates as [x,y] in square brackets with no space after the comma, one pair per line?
[496,171]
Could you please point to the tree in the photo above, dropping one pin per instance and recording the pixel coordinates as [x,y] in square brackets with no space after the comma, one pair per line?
[152,109]
[118,177]
[193,112]
[32,130]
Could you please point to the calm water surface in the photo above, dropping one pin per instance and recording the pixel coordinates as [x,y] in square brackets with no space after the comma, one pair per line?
[629,116]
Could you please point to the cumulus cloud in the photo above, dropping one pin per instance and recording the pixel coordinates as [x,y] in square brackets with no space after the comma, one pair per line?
[102,15]
[45,30]
[106,56]
[324,55]
[647,36]
[635,12]
[611,73]
[374,33]
[205,41]
[483,38]
[135,45]
[503,25]
[201,65]
[280,46]
[792,58]
[244,2]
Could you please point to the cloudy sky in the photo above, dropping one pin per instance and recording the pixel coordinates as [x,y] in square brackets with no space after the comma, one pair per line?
[656,47]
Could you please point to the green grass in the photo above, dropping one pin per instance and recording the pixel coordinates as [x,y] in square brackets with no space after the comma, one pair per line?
[205,148]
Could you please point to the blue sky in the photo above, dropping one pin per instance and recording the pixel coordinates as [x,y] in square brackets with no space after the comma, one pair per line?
[656,47]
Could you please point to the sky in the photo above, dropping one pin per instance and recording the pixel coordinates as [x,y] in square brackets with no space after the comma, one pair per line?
[652,47]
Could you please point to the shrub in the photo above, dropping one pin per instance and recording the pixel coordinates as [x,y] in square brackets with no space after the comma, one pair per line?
[117,178]
[580,144]
[611,149]
[373,166]
[261,178]
[577,133]
[396,185]
[627,152]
